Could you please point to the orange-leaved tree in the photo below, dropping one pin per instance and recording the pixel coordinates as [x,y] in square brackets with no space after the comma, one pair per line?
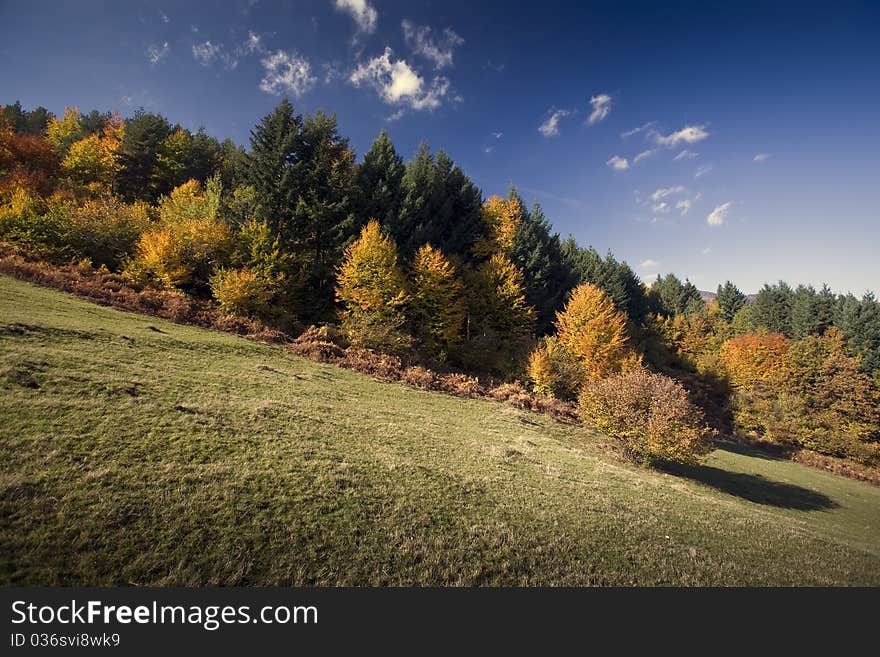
[754,357]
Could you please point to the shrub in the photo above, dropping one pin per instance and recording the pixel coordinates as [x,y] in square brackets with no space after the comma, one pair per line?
[460,384]
[325,344]
[242,292]
[554,371]
[649,413]
[419,376]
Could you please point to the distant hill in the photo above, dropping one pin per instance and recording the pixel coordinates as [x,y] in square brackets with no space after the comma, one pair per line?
[708,297]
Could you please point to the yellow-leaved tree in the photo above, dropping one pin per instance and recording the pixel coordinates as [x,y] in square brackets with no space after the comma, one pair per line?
[189,243]
[92,162]
[63,132]
[502,218]
[593,331]
[437,307]
[372,288]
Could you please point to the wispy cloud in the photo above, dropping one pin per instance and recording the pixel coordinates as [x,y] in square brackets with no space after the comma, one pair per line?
[660,208]
[361,11]
[205,53]
[635,131]
[498,135]
[286,72]
[685,155]
[761,157]
[644,154]
[156,53]
[684,205]
[397,83]
[422,42]
[663,192]
[719,215]
[618,163]
[702,170]
[649,264]
[164,17]
[707,250]
[601,105]
[550,127]
[690,134]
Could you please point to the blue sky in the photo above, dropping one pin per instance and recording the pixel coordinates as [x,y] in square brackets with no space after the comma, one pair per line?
[759,140]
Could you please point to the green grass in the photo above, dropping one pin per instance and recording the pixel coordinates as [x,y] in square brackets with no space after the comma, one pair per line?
[136,451]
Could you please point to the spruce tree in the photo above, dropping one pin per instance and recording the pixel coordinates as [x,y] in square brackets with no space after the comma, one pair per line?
[730,299]
[379,179]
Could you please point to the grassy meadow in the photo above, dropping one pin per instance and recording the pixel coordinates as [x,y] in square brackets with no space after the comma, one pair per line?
[137,451]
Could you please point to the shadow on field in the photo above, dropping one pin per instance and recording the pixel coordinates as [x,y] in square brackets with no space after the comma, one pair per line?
[755,488]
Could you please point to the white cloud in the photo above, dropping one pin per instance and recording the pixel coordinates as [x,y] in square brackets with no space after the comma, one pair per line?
[205,53]
[663,192]
[487,149]
[662,207]
[684,205]
[719,215]
[164,17]
[761,157]
[253,44]
[707,250]
[363,13]
[649,264]
[635,131]
[690,134]
[397,83]
[422,42]
[156,54]
[641,156]
[685,155]
[497,135]
[702,170]
[601,105]
[550,127]
[618,163]
[286,72]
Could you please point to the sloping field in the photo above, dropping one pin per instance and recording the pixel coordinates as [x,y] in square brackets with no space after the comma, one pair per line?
[136,451]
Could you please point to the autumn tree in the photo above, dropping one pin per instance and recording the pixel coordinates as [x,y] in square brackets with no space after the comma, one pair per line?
[93,162]
[372,288]
[63,132]
[437,307]
[754,357]
[502,218]
[592,329]
[190,242]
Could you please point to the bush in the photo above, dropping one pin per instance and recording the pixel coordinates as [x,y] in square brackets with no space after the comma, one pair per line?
[554,371]
[650,414]
[754,357]
[242,292]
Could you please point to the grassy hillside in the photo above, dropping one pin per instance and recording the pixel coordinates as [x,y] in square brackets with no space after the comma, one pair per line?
[135,451]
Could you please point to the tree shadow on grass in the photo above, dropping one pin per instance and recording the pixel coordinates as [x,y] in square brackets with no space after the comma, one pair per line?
[754,488]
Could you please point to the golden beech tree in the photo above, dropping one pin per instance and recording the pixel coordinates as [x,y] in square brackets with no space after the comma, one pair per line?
[592,330]
[437,304]
[754,357]
[501,299]
[502,218]
[372,288]
[370,277]
[93,162]
[63,132]
[190,242]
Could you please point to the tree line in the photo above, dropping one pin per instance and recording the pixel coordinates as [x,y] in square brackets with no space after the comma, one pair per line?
[409,258]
